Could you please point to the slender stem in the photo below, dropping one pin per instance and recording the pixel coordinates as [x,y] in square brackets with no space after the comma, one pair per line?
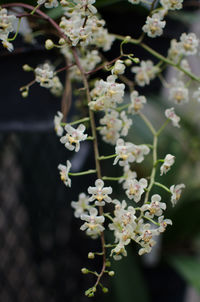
[35,8]
[153,172]
[162,186]
[83,120]
[17,31]
[28,85]
[107,157]
[67,95]
[83,173]
[96,153]
[90,138]
[64,68]
[112,178]
[151,220]
[42,14]
[159,56]
[120,108]
[162,127]
[148,123]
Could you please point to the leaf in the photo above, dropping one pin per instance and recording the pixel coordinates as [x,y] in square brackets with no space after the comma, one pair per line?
[189,269]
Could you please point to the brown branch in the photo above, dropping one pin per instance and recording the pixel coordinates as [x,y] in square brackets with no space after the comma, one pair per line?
[67,95]
[96,152]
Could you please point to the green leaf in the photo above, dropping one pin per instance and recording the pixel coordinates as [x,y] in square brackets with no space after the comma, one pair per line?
[189,269]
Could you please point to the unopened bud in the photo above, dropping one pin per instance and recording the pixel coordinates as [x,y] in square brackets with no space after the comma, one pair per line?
[62,41]
[128,62]
[84,270]
[136,60]
[25,94]
[108,264]
[104,290]
[111,273]
[49,44]
[91,255]
[26,67]
[127,38]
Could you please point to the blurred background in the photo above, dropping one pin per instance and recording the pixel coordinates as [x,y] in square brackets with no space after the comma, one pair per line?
[41,248]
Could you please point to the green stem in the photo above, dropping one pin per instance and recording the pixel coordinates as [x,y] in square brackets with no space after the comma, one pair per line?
[122,107]
[90,138]
[162,127]
[108,216]
[159,56]
[17,31]
[153,172]
[148,123]
[107,157]
[162,186]
[83,173]
[35,8]
[151,220]
[112,178]
[83,120]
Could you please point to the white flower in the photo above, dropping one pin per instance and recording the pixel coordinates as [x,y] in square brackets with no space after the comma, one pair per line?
[73,137]
[81,206]
[128,175]
[57,87]
[137,102]
[139,151]
[44,75]
[118,251]
[57,123]
[6,26]
[174,51]
[168,162]
[93,224]
[170,114]
[189,44]
[118,67]
[64,171]
[100,193]
[135,188]
[176,193]
[126,123]
[163,223]
[145,238]
[154,26]
[178,92]
[124,153]
[172,4]
[145,72]
[107,94]
[113,125]
[155,207]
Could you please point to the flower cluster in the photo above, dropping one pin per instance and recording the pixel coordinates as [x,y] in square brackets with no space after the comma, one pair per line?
[113,105]
[6,26]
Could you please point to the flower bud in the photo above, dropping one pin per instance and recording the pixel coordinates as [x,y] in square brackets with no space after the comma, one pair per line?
[25,94]
[108,264]
[104,290]
[84,270]
[128,62]
[91,255]
[26,67]
[49,44]
[111,273]
[62,41]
